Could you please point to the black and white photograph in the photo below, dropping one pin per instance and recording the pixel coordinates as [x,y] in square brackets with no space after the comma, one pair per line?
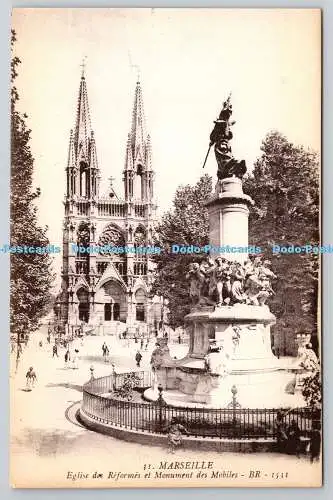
[165,248]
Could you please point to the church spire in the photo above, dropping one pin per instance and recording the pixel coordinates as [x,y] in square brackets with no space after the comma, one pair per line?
[138,153]
[82,131]
[138,133]
[82,166]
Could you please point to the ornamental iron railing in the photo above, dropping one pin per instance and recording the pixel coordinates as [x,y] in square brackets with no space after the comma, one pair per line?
[102,405]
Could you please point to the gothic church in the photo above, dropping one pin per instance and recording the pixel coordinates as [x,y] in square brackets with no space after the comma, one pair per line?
[100,289]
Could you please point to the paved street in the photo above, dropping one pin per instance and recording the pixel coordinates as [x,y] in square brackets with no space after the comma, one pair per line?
[47,442]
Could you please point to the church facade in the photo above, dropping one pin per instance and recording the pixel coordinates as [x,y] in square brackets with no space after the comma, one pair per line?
[100,288]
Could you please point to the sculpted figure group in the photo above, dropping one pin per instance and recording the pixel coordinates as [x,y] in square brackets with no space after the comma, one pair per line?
[223,282]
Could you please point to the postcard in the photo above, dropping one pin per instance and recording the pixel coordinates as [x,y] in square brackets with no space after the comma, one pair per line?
[165,248]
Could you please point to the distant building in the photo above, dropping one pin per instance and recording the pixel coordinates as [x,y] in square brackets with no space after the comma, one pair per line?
[97,288]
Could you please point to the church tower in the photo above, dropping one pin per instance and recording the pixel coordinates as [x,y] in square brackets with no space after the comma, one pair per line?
[138,174]
[100,289]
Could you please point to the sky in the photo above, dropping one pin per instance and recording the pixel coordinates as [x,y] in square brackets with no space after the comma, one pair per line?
[190,60]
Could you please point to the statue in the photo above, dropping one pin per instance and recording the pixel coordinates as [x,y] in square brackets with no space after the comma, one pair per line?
[194,276]
[222,274]
[160,356]
[222,282]
[220,136]
[237,287]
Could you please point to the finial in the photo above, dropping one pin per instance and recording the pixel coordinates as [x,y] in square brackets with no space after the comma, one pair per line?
[83,66]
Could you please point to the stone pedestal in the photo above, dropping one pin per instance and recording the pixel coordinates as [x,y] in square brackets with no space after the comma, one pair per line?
[240,337]
[228,211]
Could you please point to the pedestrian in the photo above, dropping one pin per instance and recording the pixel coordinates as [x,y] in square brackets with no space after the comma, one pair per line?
[280,430]
[67,357]
[294,438]
[40,343]
[107,352]
[19,349]
[175,435]
[141,344]
[74,359]
[179,339]
[55,351]
[31,378]
[104,347]
[48,338]
[315,441]
[138,358]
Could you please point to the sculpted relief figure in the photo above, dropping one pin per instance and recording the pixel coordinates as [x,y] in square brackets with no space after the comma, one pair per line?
[223,282]
[195,278]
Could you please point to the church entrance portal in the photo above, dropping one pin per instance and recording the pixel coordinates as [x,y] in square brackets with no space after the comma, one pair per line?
[115,305]
[83,297]
[112,311]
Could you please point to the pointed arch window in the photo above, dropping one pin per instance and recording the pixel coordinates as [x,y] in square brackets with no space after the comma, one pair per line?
[84,179]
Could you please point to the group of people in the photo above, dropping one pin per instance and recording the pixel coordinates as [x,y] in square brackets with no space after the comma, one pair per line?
[288,437]
[71,360]
[224,282]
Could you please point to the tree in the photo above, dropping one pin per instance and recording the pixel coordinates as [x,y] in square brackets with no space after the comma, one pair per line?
[30,273]
[285,187]
[185,224]
[312,390]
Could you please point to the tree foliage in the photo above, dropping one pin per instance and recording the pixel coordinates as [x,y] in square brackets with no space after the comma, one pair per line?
[312,390]
[30,272]
[285,187]
[185,224]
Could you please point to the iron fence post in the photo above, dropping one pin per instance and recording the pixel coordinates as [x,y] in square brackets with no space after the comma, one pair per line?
[161,403]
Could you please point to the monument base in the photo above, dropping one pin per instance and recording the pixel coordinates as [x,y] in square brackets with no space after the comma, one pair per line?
[254,390]
[230,347]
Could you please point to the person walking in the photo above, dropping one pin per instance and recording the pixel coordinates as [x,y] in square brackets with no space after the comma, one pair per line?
[55,351]
[31,378]
[67,358]
[75,359]
[141,344]
[138,358]
[104,348]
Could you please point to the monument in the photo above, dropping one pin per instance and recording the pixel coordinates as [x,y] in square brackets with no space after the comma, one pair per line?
[229,325]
